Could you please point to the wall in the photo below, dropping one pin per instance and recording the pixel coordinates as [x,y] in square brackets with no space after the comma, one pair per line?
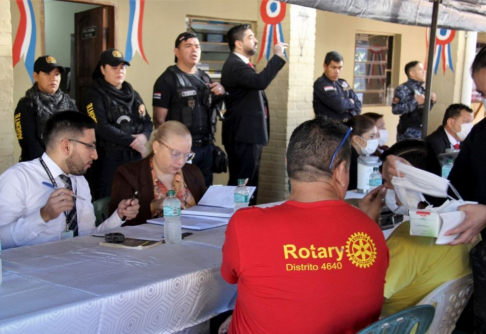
[337,32]
[59,19]
[7,136]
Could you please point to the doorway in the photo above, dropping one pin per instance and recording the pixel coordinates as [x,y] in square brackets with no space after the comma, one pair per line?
[75,34]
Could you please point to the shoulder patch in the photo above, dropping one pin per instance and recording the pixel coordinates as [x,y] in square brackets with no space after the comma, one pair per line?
[157,96]
[91,113]
[396,100]
[329,88]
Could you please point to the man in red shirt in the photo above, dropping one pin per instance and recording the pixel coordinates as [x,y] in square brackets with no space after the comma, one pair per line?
[313,264]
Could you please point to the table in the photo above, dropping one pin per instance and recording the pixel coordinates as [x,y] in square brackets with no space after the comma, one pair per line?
[78,286]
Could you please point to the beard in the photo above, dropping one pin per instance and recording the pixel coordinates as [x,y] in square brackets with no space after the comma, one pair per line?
[250,51]
[75,165]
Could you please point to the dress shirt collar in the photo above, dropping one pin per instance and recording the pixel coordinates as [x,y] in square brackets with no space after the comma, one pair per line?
[246,60]
[452,140]
[53,167]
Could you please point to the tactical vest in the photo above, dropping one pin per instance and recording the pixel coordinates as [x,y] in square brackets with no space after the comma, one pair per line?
[192,106]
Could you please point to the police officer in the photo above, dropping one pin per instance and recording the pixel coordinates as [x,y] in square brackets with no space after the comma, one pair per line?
[123,124]
[333,97]
[408,102]
[186,94]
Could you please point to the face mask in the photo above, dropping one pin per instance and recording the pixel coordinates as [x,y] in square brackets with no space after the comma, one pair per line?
[391,203]
[383,137]
[465,129]
[371,146]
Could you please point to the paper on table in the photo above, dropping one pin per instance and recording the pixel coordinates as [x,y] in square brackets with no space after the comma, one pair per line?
[208,211]
[136,232]
[221,196]
[195,222]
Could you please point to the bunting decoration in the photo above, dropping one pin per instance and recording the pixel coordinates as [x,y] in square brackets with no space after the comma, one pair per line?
[443,41]
[272,12]
[25,39]
[135,24]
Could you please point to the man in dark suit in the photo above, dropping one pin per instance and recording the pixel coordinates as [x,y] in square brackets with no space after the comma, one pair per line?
[456,125]
[246,124]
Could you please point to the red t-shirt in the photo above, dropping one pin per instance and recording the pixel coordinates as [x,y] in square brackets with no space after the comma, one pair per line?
[304,268]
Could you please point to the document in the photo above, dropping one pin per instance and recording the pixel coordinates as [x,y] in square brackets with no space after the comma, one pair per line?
[221,196]
[195,222]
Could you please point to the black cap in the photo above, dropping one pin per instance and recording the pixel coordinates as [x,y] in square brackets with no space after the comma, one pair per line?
[112,57]
[181,38]
[46,64]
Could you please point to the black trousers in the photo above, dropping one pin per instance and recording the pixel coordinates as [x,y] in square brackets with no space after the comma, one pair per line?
[204,160]
[244,162]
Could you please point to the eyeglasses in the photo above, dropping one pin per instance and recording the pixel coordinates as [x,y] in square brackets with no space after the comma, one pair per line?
[176,155]
[90,146]
[339,147]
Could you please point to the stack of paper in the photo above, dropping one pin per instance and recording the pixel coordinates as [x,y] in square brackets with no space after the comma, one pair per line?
[195,222]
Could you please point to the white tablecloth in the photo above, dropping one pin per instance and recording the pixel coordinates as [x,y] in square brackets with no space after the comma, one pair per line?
[78,286]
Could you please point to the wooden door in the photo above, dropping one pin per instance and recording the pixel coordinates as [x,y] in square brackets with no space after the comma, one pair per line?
[94,33]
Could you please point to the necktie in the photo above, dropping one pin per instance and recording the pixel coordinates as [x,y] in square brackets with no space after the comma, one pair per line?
[457,146]
[251,65]
[71,216]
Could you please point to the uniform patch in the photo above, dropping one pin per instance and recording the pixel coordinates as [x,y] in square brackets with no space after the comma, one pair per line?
[91,113]
[328,88]
[51,60]
[117,54]
[361,250]
[396,100]
[189,93]
[157,96]
[344,84]
[18,127]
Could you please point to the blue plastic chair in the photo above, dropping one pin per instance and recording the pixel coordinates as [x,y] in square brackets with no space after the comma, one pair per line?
[403,322]
[101,209]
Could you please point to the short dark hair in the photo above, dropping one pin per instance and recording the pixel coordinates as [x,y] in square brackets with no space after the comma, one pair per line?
[360,124]
[71,122]
[312,146]
[333,56]
[479,61]
[236,34]
[421,155]
[454,111]
[410,65]
[373,115]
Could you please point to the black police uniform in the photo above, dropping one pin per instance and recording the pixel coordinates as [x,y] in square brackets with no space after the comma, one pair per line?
[118,118]
[189,100]
[333,99]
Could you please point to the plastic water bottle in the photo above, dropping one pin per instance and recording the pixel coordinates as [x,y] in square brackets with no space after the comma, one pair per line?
[375,178]
[172,219]
[446,168]
[242,195]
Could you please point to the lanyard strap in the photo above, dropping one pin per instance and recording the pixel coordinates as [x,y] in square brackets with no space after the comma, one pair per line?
[48,172]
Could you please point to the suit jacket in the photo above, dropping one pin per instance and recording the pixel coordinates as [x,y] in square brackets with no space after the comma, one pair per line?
[439,140]
[244,120]
[138,176]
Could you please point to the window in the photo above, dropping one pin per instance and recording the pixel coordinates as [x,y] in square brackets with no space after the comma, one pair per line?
[372,67]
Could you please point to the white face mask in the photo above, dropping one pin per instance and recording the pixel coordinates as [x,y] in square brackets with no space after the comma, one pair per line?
[383,137]
[391,203]
[371,146]
[465,129]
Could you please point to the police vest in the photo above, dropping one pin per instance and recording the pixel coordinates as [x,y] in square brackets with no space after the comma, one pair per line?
[192,105]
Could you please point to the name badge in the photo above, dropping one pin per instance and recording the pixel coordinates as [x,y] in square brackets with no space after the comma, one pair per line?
[425,223]
[188,93]
[67,234]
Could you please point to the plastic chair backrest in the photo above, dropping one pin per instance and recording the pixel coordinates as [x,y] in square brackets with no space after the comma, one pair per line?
[449,299]
[101,209]
[403,322]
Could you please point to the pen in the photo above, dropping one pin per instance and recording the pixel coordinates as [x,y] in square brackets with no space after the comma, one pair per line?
[52,187]
[133,197]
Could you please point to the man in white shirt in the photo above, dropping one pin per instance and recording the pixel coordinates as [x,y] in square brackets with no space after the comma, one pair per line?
[36,204]
[456,125]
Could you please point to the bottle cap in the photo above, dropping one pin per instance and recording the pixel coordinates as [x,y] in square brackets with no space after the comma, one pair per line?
[241,182]
[171,193]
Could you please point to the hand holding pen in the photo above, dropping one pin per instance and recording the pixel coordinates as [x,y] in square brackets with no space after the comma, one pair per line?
[59,201]
[128,209]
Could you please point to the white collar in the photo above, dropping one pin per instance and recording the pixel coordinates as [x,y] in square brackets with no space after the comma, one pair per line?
[53,167]
[452,140]
[246,60]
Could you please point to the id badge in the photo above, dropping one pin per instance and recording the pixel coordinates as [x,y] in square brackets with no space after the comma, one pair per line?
[67,234]
[424,223]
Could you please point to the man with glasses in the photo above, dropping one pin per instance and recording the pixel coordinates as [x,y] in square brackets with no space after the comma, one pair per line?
[48,199]
[314,258]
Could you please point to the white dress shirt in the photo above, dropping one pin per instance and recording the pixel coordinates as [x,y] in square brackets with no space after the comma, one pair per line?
[22,195]
[452,140]
[246,60]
